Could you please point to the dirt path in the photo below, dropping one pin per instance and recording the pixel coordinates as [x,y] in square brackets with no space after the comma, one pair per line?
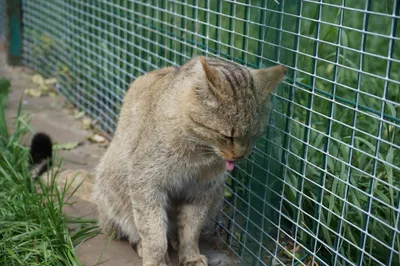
[50,115]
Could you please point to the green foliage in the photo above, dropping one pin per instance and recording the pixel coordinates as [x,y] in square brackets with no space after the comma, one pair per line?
[33,230]
[5,85]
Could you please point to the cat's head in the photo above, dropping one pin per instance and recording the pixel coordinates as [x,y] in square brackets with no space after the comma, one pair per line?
[227,107]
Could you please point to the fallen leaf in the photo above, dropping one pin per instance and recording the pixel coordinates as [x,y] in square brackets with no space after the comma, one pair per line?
[237,235]
[309,262]
[44,88]
[79,115]
[50,81]
[97,138]
[66,146]
[52,94]
[296,249]
[86,122]
[94,122]
[33,92]
[38,79]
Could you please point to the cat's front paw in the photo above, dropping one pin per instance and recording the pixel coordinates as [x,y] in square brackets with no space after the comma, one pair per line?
[195,261]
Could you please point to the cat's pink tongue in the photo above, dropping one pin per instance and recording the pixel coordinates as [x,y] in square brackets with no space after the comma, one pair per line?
[230,165]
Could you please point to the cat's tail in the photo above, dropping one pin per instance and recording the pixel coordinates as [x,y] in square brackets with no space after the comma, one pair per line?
[41,154]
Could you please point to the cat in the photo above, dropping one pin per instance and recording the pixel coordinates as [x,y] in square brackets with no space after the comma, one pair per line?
[41,154]
[179,130]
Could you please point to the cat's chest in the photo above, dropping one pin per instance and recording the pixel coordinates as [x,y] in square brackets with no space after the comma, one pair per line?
[195,184]
[185,177]
[198,168]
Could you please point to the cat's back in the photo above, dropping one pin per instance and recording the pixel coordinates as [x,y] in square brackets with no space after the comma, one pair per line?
[145,87]
[133,119]
[140,97]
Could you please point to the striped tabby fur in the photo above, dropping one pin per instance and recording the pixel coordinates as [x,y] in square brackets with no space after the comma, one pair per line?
[180,129]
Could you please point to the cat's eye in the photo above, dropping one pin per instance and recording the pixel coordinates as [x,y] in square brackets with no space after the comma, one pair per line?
[203,125]
[229,138]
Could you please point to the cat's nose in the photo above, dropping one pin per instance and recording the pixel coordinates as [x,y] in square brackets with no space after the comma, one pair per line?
[238,153]
[234,156]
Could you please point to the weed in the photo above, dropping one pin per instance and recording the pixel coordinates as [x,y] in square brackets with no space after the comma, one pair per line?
[33,229]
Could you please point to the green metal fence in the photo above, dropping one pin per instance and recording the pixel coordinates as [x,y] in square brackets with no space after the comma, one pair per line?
[322,187]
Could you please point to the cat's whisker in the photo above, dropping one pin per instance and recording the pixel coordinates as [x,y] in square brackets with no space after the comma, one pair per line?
[198,142]
[208,150]
[192,139]
[206,153]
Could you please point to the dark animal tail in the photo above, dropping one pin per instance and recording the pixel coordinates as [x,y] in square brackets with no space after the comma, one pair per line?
[41,153]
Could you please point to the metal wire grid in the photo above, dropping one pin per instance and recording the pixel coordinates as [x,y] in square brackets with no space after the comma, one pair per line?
[322,187]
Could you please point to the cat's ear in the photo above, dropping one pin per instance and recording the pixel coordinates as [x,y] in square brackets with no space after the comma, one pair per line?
[210,72]
[209,91]
[266,79]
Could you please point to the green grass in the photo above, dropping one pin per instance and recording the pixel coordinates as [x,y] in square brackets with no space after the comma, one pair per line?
[33,229]
[4,91]
[306,159]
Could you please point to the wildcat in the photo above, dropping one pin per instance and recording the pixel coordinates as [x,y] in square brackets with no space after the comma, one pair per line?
[179,130]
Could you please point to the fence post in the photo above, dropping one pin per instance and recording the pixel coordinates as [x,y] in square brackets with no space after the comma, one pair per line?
[14,32]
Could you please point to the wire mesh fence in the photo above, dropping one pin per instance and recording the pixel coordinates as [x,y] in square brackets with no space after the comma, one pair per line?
[322,187]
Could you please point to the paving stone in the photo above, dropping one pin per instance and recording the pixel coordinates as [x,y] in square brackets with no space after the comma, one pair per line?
[120,252]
